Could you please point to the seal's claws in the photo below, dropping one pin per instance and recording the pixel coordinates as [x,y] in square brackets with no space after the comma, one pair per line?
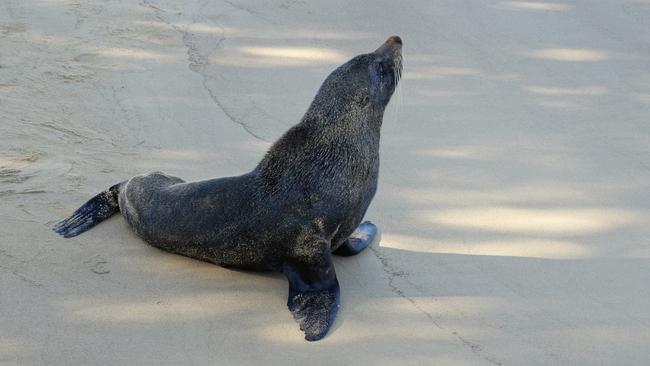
[314,311]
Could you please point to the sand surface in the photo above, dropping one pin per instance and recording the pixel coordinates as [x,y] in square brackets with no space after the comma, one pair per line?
[514,195]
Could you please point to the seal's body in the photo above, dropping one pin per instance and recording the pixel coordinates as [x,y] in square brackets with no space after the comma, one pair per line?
[303,201]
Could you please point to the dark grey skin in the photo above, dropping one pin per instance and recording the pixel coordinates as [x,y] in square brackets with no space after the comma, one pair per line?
[304,201]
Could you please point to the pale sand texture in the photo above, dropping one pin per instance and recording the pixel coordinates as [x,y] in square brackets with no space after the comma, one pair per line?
[514,197]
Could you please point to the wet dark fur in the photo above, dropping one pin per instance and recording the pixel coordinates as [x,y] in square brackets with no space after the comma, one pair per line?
[300,204]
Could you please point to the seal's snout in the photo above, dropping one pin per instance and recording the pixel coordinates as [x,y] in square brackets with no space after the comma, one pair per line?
[394,40]
[391,47]
[392,44]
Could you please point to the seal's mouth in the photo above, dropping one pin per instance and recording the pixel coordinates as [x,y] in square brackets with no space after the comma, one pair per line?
[392,51]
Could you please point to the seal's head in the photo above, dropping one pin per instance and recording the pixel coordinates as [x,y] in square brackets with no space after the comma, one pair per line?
[385,70]
[365,82]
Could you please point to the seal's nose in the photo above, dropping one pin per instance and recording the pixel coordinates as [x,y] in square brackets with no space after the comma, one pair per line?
[393,44]
[394,40]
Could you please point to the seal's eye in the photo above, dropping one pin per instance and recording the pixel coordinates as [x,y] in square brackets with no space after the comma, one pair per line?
[384,69]
[383,72]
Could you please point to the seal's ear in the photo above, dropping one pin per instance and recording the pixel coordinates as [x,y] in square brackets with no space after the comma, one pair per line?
[381,82]
[377,72]
[376,78]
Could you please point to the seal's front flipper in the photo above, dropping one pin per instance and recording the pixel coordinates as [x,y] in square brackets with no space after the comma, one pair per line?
[365,234]
[313,294]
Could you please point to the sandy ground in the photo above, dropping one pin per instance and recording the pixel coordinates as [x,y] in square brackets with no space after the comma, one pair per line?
[514,194]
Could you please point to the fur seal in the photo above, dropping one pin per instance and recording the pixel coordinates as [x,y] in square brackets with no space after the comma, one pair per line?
[304,201]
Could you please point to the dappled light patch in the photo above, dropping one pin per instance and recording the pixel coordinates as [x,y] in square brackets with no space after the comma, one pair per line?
[137,54]
[279,56]
[527,156]
[185,154]
[295,53]
[506,247]
[564,98]
[538,6]
[125,58]
[545,221]
[555,91]
[537,192]
[259,32]
[570,54]
[558,104]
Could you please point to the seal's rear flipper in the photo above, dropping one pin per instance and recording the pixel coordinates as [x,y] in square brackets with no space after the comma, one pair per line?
[313,295]
[363,236]
[96,210]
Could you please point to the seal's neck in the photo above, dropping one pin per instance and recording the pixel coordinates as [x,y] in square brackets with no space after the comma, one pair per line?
[335,141]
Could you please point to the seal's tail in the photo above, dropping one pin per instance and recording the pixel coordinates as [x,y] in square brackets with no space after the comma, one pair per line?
[96,210]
